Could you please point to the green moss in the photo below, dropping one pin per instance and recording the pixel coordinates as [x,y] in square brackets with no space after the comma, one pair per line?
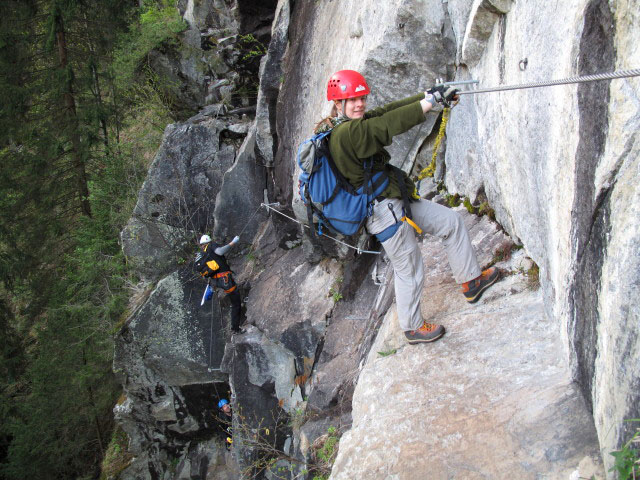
[533,277]
[470,208]
[116,458]
[485,209]
[453,200]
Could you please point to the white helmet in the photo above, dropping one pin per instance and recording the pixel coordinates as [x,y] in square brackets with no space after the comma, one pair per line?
[205,239]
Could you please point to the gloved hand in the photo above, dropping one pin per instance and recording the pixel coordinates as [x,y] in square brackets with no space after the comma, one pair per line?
[444,95]
[235,240]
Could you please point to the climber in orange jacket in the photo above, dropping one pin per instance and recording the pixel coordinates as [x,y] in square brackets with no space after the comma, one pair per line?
[212,265]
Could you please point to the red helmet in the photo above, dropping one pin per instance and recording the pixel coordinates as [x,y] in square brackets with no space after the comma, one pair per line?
[346,84]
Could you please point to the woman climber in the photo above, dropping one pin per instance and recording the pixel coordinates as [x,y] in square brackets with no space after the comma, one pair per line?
[358,134]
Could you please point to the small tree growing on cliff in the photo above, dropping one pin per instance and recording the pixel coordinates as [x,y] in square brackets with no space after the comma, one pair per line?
[263,445]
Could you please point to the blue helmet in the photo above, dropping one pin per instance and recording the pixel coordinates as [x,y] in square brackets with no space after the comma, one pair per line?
[223,402]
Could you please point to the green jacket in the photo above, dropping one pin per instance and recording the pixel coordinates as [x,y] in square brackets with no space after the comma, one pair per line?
[355,140]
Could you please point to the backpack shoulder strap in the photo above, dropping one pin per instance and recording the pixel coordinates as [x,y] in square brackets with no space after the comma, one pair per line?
[403,189]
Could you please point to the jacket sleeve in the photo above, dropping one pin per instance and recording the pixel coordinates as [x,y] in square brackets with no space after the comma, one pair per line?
[368,135]
[376,112]
[222,250]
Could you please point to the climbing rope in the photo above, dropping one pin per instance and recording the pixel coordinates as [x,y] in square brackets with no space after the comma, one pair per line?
[210,335]
[269,206]
[430,169]
[564,81]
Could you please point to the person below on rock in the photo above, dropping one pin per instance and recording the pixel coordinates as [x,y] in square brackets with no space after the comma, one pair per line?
[225,416]
[358,134]
[212,265]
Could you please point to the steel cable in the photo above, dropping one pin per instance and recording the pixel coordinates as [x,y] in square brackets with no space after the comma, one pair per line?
[564,81]
[269,206]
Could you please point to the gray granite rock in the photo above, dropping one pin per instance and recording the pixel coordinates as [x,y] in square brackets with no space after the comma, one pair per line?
[237,205]
[558,166]
[167,358]
[177,200]
[271,77]
[491,399]
[551,162]
[484,14]
[211,16]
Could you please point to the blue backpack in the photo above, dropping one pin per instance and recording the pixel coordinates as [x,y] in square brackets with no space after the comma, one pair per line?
[329,196]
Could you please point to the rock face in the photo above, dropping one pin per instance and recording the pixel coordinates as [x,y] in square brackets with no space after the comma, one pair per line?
[492,399]
[514,388]
[558,199]
[178,198]
[168,358]
[504,147]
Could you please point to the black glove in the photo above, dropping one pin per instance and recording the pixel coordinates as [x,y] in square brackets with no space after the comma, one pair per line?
[444,95]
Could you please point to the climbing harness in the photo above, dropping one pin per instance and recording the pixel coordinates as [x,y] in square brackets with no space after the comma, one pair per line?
[563,81]
[269,206]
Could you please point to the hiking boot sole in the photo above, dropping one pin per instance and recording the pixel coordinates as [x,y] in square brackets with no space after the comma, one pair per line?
[491,281]
[438,336]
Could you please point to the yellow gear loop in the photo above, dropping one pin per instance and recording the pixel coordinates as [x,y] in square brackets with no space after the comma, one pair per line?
[412,223]
[430,169]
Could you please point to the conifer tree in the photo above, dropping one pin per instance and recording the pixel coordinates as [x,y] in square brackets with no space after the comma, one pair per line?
[62,271]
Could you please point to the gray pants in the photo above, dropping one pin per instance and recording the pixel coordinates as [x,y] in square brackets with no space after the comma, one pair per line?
[404,252]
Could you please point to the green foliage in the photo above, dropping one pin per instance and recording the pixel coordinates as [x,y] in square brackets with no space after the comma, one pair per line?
[297,417]
[387,353]
[159,22]
[251,47]
[62,422]
[325,452]
[335,294]
[627,459]
[533,277]
[66,139]
[116,458]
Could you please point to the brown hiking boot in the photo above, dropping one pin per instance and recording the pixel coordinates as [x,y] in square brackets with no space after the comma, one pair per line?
[473,288]
[428,332]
